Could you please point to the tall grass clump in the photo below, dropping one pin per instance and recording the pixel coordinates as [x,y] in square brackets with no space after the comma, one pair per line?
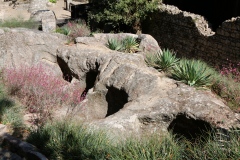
[162,61]
[69,141]
[193,73]
[149,148]
[11,114]
[19,23]
[40,91]
[211,148]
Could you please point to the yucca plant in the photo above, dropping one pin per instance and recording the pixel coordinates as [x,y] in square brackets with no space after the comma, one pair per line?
[130,44]
[114,44]
[162,61]
[193,73]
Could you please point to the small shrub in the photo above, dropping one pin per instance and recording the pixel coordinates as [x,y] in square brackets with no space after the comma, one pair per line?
[193,73]
[232,71]
[63,30]
[19,23]
[116,13]
[162,61]
[227,88]
[39,90]
[75,29]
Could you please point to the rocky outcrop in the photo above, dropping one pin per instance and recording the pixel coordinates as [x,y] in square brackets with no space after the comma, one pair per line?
[24,46]
[126,96]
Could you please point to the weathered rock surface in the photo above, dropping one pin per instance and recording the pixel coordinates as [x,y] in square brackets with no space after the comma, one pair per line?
[19,149]
[37,5]
[47,19]
[24,46]
[147,43]
[126,96]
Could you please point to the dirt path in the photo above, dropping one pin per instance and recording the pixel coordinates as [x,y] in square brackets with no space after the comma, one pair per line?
[21,11]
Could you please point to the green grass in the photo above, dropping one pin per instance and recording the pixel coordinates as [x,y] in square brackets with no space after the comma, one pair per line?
[11,114]
[19,23]
[65,140]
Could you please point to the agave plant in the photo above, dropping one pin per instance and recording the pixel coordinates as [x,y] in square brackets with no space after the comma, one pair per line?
[162,61]
[114,44]
[193,73]
[130,44]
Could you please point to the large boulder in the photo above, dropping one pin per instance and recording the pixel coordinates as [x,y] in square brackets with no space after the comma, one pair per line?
[125,96]
[23,46]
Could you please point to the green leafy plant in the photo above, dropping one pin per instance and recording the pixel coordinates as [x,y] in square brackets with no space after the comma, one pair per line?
[130,44]
[53,1]
[162,61]
[63,30]
[124,12]
[74,29]
[193,73]
[114,44]
[127,45]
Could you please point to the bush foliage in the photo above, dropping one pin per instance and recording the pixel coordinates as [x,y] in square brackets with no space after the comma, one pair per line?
[123,12]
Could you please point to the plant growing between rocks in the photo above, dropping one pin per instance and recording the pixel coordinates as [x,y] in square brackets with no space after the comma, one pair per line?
[162,61]
[127,45]
[74,29]
[67,140]
[192,72]
[40,91]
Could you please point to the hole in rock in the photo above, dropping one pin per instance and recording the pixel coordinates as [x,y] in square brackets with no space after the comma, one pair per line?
[215,11]
[91,77]
[116,100]
[189,128]
[67,73]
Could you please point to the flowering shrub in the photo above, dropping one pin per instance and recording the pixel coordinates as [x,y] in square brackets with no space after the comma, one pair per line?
[231,70]
[75,29]
[39,90]
[226,84]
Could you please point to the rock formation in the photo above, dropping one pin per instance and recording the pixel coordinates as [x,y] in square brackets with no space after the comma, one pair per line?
[24,46]
[126,96]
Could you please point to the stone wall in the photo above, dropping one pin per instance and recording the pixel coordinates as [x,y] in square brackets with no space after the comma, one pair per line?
[190,35]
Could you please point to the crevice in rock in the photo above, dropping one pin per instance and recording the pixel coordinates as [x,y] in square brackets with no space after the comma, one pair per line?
[91,77]
[189,128]
[116,100]
[67,73]
[215,11]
